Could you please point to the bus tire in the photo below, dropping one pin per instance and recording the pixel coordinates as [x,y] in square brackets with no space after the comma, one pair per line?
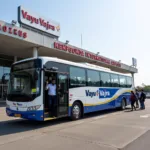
[123,104]
[76,111]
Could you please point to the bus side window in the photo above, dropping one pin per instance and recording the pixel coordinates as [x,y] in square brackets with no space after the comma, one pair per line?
[105,78]
[129,82]
[93,78]
[77,77]
[123,81]
[114,80]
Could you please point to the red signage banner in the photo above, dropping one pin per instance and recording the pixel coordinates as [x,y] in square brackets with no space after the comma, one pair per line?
[29,18]
[86,54]
[13,31]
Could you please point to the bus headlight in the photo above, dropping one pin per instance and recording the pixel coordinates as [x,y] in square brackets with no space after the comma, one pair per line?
[32,108]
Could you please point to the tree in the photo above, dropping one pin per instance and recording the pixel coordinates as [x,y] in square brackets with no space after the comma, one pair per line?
[146,88]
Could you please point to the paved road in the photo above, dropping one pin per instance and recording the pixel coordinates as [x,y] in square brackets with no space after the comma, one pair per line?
[111,130]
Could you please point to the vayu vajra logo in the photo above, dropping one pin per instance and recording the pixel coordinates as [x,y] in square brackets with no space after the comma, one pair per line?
[91,94]
[104,93]
[101,93]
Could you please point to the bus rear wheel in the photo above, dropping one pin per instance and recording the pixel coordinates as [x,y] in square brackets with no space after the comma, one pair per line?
[76,111]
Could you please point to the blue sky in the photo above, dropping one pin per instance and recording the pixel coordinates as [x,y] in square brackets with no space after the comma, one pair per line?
[118,29]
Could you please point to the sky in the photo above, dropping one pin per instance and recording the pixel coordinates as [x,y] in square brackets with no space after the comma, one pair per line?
[117,29]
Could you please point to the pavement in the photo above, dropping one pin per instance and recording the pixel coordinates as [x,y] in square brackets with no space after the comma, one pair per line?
[106,130]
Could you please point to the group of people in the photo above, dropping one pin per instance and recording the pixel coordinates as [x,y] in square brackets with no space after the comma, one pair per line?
[137,97]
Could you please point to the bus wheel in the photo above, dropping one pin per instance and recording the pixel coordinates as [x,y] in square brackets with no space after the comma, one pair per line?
[123,104]
[76,111]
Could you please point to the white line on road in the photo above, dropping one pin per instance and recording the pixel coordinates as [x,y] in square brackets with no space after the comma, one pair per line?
[145,116]
[99,117]
[117,113]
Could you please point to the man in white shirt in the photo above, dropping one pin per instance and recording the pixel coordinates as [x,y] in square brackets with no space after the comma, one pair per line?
[52,96]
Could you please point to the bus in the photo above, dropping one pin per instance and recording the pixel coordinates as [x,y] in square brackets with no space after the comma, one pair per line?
[84,88]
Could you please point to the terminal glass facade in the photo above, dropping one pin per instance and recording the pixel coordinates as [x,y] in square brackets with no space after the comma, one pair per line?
[4,70]
[5,65]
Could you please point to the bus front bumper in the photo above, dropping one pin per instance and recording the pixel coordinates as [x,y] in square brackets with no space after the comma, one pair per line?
[31,115]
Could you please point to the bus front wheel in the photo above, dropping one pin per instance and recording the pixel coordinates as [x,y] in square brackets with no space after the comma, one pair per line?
[76,111]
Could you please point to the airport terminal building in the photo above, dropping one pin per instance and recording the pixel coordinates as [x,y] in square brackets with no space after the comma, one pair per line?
[38,36]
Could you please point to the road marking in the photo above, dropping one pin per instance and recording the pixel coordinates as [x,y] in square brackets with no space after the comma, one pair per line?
[78,122]
[117,113]
[145,116]
[100,117]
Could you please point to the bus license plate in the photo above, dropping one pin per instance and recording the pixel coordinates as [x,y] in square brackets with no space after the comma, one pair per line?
[17,115]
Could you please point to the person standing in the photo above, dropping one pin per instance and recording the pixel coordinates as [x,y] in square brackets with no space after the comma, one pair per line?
[142,99]
[52,96]
[132,99]
[137,98]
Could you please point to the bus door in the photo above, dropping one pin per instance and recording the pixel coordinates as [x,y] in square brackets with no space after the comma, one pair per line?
[48,76]
[62,94]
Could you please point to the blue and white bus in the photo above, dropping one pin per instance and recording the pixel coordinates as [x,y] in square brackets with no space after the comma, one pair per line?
[84,88]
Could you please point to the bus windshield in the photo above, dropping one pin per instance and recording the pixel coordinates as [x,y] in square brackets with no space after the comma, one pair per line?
[24,84]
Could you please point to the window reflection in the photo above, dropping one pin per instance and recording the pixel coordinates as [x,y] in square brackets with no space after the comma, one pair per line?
[4,70]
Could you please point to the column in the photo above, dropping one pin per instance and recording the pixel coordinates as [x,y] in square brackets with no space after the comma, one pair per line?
[15,58]
[35,52]
[15,79]
[133,80]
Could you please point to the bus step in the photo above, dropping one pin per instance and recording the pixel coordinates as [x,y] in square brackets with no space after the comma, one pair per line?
[49,118]
[46,114]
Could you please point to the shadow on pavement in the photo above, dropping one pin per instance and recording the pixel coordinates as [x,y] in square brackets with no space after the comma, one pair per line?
[129,110]
[21,125]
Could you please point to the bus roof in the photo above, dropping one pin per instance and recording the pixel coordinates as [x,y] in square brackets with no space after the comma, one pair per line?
[77,64]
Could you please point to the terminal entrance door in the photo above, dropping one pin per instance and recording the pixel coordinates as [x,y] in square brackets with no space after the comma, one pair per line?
[62,94]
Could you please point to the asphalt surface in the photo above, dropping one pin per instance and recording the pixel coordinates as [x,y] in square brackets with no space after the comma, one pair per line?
[107,130]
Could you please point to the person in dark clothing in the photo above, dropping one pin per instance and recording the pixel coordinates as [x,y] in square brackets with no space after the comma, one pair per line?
[133,100]
[137,98]
[142,99]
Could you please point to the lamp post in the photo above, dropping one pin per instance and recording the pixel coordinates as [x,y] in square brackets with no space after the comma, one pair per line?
[13,22]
